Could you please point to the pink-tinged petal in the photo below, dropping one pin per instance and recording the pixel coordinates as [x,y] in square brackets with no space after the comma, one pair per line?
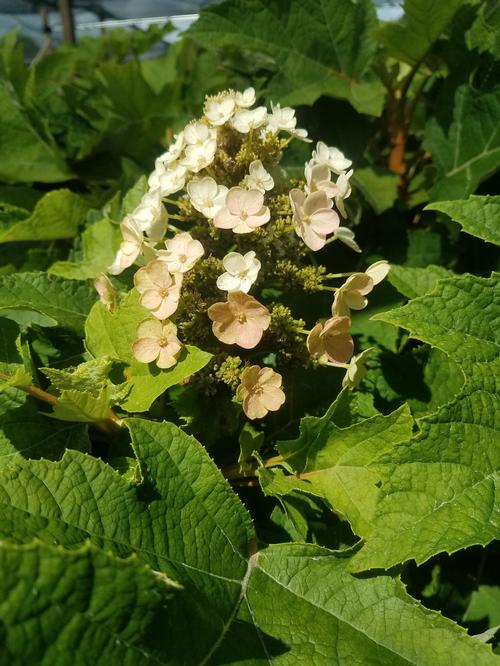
[166,359]
[151,299]
[146,350]
[166,308]
[297,198]
[242,227]
[236,200]
[325,221]
[314,341]
[130,249]
[259,218]
[142,280]
[248,335]
[253,201]
[149,328]
[272,397]
[269,377]
[159,274]
[355,300]
[340,349]
[316,201]
[220,312]
[225,219]
[253,407]
[313,240]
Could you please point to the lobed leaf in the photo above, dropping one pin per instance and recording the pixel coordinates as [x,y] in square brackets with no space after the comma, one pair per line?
[319,47]
[477,215]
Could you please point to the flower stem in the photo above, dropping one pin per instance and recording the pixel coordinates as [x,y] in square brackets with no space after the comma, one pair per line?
[170,201]
[176,217]
[326,288]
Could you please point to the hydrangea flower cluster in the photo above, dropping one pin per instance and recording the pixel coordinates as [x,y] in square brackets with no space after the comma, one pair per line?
[220,219]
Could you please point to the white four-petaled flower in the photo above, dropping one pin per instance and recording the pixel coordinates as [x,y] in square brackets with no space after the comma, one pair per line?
[241,271]
[258,178]
[206,196]
[182,252]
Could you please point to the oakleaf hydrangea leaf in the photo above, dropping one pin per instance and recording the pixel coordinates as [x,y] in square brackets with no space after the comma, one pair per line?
[57,604]
[319,47]
[465,146]
[113,334]
[413,282]
[414,35]
[46,300]
[477,215]
[292,603]
[56,215]
[439,491]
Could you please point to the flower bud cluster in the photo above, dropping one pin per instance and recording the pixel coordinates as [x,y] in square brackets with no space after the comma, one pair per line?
[218,202]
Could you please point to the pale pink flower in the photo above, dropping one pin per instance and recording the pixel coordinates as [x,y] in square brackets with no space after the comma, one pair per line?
[331,340]
[313,217]
[241,320]
[157,341]
[352,294]
[244,211]
[318,179]
[182,252]
[260,390]
[130,247]
[160,291]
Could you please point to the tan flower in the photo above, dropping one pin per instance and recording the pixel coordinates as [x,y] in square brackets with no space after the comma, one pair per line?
[241,320]
[244,211]
[107,293]
[352,294]
[157,341]
[260,390]
[160,291]
[331,341]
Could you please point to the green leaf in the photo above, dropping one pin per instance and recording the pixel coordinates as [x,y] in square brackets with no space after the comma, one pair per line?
[27,431]
[296,603]
[99,245]
[414,35]
[183,520]
[477,215]
[413,282]
[379,187]
[340,464]
[113,334]
[26,157]
[13,370]
[465,148]
[301,606]
[57,604]
[318,47]
[484,34]
[46,300]
[82,406]
[438,491]
[484,603]
[58,214]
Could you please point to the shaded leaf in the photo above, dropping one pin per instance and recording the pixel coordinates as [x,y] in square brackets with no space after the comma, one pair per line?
[477,215]
[319,47]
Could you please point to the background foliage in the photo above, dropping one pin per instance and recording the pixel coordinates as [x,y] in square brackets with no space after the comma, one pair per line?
[371,537]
